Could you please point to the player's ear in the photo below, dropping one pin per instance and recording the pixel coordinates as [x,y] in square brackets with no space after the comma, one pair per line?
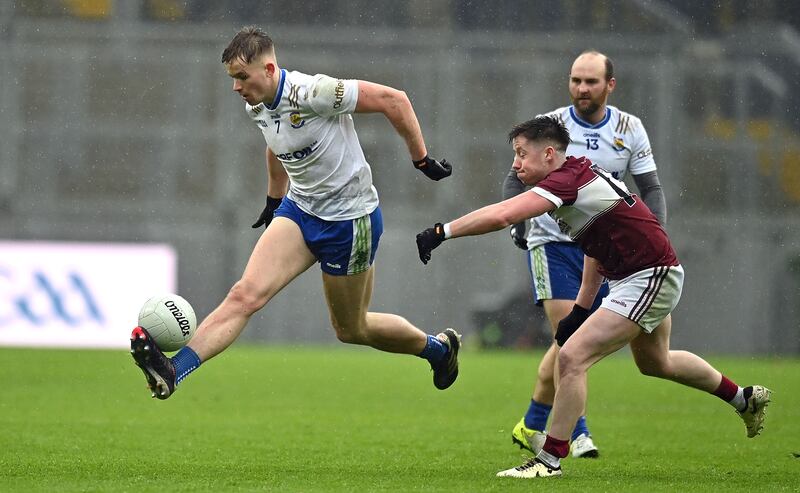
[270,67]
[611,85]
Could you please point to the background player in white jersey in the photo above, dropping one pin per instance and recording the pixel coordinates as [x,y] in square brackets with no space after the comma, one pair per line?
[622,241]
[617,142]
[321,207]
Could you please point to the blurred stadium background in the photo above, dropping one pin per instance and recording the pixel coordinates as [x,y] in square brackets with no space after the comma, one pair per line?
[118,125]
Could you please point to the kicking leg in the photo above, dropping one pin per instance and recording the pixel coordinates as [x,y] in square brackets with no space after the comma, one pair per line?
[279,256]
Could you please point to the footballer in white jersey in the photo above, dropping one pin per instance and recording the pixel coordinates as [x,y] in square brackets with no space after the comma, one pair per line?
[618,144]
[309,129]
[321,207]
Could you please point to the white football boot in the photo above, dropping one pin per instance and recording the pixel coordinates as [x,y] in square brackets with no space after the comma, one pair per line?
[532,468]
[753,415]
[584,447]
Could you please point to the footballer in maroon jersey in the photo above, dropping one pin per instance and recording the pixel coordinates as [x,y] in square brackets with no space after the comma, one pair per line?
[611,225]
[623,241]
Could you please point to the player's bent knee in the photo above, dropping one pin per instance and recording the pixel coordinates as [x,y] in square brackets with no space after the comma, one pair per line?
[654,369]
[568,363]
[545,371]
[346,338]
[348,335]
[244,295]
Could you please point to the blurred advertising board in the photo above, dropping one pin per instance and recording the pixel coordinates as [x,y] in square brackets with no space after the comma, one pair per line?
[56,294]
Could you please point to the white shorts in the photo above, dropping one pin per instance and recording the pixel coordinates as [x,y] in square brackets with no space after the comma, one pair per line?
[647,296]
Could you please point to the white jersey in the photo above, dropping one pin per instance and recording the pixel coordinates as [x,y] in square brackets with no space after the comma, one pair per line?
[618,144]
[309,128]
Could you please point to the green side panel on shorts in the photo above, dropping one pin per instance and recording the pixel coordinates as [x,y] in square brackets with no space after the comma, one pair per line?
[541,274]
[362,245]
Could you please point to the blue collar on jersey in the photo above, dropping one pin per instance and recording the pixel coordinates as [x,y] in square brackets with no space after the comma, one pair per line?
[278,95]
[584,123]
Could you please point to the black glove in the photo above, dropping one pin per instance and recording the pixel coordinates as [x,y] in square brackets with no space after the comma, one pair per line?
[569,324]
[518,235]
[433,169]
[266,215]
[428,240]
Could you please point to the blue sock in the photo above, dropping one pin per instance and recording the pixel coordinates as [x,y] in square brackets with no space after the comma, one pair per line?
[536,417]
[434,350]
[580,428]
[185,362]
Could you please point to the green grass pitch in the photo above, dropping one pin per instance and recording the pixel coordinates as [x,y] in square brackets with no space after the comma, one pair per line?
[352,419]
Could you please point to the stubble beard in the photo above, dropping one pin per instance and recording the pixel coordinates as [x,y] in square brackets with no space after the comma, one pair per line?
[589,110]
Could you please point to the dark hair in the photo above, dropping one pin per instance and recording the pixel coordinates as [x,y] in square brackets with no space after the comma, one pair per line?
[609,69]
[542,128]
[248,44]
[609,63]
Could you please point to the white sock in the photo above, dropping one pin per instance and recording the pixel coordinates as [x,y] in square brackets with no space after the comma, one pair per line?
[549,459]
[738,401]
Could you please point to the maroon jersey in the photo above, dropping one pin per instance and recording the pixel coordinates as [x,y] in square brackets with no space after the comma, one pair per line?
[605,219]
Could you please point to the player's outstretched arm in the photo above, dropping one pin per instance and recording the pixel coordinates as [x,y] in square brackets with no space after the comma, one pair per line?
[484,220]
[395,105]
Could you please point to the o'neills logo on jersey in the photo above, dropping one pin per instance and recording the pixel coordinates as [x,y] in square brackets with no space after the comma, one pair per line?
[178,314]
[338,95]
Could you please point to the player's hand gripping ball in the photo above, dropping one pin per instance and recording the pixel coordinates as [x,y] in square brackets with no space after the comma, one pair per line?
[169,319]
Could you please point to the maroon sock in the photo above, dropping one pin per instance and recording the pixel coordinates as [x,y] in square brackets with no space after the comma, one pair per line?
[556,447]
[727,389]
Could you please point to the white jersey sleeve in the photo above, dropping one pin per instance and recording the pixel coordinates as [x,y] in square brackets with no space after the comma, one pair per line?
[330,97]
[641,160]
